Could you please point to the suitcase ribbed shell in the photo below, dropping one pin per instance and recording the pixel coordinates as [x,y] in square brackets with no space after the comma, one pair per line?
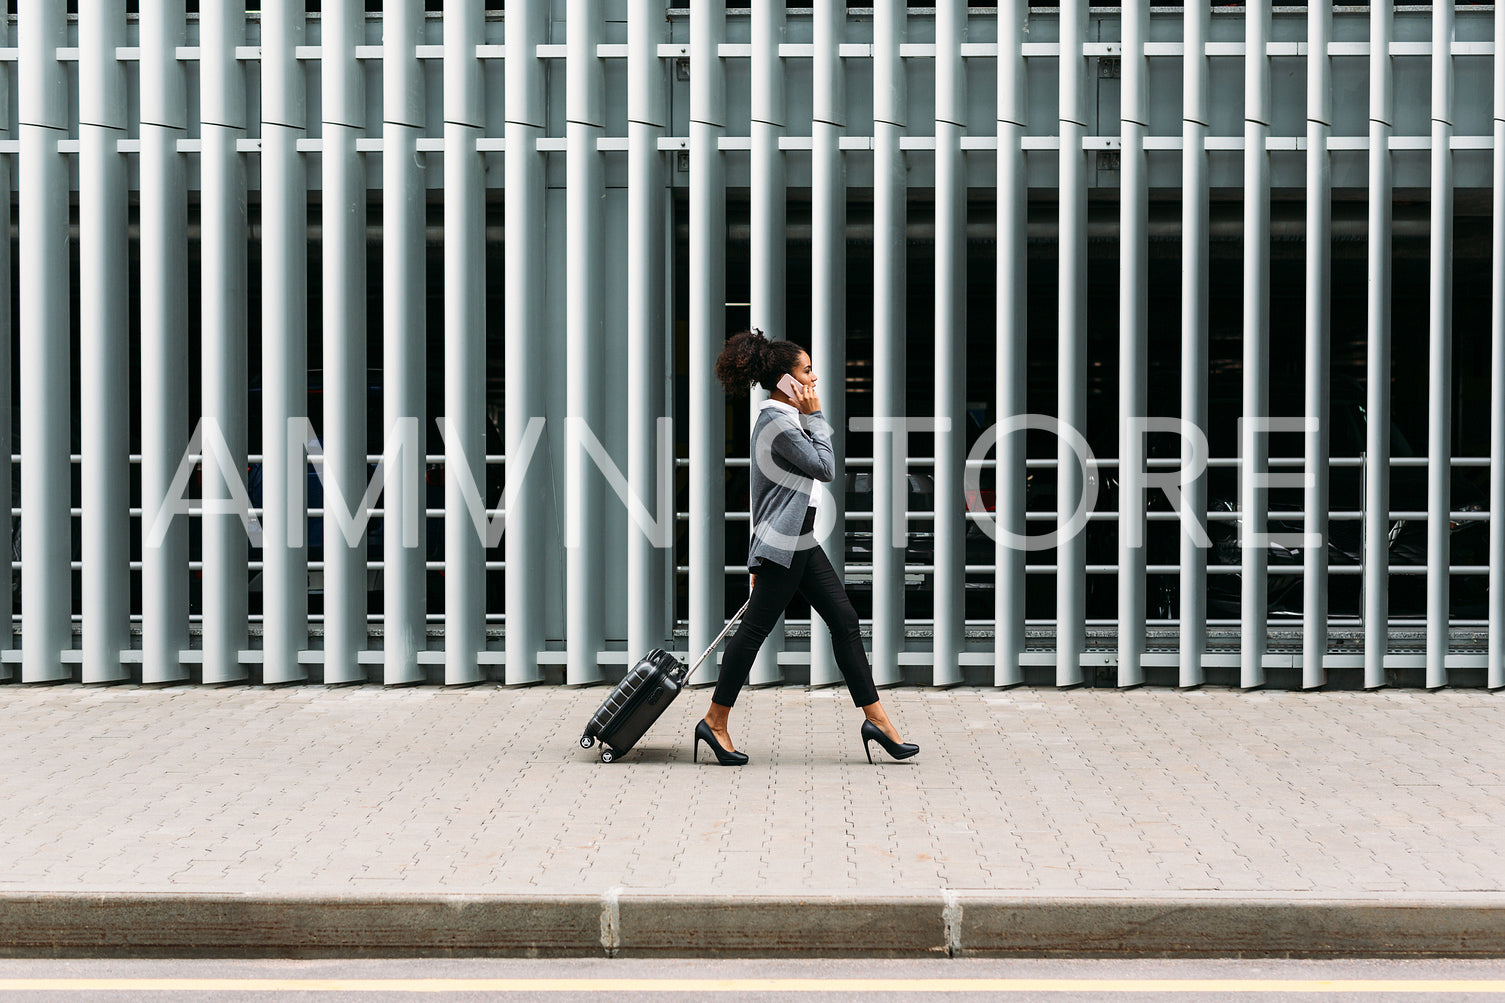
[625,694]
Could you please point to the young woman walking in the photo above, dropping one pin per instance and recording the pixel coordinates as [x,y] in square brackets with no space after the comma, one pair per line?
[791,448]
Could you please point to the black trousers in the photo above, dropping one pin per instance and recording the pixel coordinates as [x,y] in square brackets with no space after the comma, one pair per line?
[811,575]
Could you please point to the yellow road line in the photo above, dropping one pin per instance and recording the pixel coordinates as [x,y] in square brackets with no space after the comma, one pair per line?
[762,985]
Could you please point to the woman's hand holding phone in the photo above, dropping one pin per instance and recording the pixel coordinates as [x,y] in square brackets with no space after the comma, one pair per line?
[804,396]
[807,400]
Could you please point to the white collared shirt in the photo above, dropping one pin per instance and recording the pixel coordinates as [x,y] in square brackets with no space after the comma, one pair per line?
[771,403]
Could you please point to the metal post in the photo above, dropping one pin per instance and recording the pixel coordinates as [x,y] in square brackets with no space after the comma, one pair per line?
[404,332]
[7,471]
[104,343]
[1071,552]
[1377,413]
[523,206]
[1192,587]
[646,331]
[665,358]
[1440,348]
[828,256]
[346,383]
[584,333]
[464,341]
[1254,447]
[1013,339]
[1496,671]
[1319,103]
[284,345]
[950,588]
[45,556]
[224,363]
[164,339]
[890,201]
[768,264]
[707,329]
[1133,341]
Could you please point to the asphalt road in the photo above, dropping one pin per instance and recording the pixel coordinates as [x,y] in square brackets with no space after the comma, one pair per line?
[746,979]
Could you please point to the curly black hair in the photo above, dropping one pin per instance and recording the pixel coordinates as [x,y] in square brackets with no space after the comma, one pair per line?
[749,358]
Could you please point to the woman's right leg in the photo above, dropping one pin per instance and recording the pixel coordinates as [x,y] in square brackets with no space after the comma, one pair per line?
[828,596]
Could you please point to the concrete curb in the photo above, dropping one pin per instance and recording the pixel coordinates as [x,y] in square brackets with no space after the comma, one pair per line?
[631,922]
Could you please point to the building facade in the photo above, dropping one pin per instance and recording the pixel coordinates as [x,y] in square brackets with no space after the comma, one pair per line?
[1164,344]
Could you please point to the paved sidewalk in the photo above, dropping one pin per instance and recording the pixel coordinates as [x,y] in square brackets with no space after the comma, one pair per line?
[196,819]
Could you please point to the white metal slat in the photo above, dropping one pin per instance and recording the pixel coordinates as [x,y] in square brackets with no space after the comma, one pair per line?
[1013,338]
[1133,340]
[1318,333]
[464,343]
[284,345]
[950,342]
[346,403]
[404,334]
[1192,584]
[585,190]
[767,241]
[224,361]
[828,284]
[104,348]
[707,296]
[1496,669]
[1376,472]
[164,342]
[7,403]
[890,201]
[523,207]
[646,314]
[1253,442]
[1071,580]
[1439,351]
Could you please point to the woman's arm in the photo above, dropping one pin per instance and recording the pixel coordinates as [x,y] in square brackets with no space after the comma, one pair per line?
[811,456]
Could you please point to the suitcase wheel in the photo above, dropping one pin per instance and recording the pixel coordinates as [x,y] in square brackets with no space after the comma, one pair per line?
[587,740]
[607,756]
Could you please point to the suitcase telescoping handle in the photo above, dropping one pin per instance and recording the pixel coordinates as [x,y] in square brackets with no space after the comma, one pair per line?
[706,654]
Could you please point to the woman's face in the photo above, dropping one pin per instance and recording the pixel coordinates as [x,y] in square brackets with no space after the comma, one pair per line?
[803,371]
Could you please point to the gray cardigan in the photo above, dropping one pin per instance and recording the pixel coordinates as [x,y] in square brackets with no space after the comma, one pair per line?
[786,461]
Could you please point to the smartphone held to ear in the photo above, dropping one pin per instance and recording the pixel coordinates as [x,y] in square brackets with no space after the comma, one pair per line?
[788,384]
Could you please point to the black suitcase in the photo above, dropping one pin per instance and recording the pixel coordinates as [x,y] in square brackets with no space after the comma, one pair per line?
[638,700]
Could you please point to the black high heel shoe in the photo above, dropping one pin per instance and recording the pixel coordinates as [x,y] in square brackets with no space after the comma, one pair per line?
[704,734]
[899,750]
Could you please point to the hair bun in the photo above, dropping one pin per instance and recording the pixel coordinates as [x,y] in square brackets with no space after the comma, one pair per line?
[750,357]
